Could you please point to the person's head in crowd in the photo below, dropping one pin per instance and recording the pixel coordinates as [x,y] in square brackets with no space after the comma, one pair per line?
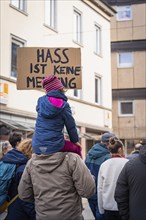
[51,83]
[5,146]
[15,139]
[4,132]
[137,146]
[25,147]
[143,142]
[116,146]
[135,152]
[106,137]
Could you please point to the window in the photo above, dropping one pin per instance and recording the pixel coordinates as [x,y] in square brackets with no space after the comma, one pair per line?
[124,13]
[77,93]
[125,59]
[98,39]
[14,45]
[20,4]
[77,27]
[50,13]
[126,108]
[98,89]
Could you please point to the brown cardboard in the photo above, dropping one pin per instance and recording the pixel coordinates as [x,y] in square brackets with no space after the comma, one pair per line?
[33,64]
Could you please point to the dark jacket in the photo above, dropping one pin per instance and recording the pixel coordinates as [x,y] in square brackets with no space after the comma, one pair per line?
[48,136]
[18,209]
[133,155]
[130,193]
[95,157]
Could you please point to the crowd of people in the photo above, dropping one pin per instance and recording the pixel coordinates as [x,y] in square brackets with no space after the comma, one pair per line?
[50,177]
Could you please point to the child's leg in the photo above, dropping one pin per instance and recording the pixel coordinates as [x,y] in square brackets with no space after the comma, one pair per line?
[71,147]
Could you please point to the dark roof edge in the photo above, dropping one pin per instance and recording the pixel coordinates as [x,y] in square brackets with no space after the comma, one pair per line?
[108,5]
[103,5]
[124,2]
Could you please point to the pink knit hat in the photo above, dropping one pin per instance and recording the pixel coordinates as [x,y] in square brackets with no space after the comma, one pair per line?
[52,83]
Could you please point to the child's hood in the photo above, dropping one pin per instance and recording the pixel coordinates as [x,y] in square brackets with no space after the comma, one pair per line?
[46,109]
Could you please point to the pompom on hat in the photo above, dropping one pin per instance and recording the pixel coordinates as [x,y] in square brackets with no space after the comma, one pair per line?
[52,83]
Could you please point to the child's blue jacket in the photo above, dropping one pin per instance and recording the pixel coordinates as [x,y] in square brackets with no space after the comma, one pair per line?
[49,136]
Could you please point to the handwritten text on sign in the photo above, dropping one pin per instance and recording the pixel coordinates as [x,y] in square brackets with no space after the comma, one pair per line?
[34,64]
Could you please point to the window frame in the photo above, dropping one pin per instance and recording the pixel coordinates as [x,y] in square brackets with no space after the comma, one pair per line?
[120,110]
[121,9]
[124,65]
[21,4]
[21,43]
[98,37]
[77,26]
[78,92]
[50,18]
[98,89]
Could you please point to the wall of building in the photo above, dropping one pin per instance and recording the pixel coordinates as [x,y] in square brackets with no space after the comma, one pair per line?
[133,77]
[133,29]
[129,83]
[30,28]
[130,127]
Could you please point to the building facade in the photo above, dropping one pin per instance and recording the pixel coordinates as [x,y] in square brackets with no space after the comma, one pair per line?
[128,48]
[55,23]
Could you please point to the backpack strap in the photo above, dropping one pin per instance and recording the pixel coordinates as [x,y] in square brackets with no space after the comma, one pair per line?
[12,200]
[6,204]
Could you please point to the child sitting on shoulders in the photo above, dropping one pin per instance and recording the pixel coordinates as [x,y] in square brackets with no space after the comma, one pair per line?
[54,113]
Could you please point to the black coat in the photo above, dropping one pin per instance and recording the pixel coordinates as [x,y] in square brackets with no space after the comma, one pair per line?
[130,193]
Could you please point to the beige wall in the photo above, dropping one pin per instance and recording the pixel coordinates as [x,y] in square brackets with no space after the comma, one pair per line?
[134,77]
[133,29]
[133,127]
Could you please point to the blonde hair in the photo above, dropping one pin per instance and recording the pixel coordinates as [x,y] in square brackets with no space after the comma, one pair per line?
[26,147]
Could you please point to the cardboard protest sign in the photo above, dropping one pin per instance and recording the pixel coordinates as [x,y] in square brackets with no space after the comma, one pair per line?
[34,64]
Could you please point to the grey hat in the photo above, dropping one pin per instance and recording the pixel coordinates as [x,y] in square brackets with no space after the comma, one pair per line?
[106,136]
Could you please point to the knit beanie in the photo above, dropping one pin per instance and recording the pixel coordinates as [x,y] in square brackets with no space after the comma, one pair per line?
[52,83]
